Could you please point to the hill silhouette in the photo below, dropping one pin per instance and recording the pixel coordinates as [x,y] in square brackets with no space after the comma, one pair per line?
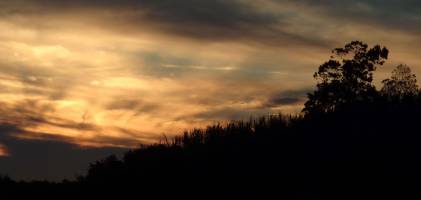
[351,141]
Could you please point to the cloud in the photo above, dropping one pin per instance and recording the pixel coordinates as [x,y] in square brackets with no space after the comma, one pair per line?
[50,158]
[36,120]
[138,106]
[32,79]
[289,97]
[50,155]
[3,151]
[268,22]
[125,104]
[203,20]
[286,101]
[403,15]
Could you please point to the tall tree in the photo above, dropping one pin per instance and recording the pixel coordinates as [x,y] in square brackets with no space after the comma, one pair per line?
[346,78]
[402,83]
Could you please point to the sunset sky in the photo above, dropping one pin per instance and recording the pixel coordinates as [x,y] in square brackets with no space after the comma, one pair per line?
[83,79]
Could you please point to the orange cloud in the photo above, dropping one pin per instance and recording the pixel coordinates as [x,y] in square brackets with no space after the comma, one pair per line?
[3,151]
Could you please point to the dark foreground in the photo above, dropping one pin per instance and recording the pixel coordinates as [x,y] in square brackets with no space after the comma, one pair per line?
[347,155]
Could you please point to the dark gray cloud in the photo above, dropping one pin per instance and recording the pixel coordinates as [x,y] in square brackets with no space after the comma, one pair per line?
[289,97]
[286,100]
[403,15]
[206,20]
[220,20]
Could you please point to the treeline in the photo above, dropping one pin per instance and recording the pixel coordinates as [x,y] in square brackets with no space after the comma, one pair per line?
[351,141]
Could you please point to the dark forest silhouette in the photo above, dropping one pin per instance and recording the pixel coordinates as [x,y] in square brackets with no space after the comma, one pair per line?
[351,141]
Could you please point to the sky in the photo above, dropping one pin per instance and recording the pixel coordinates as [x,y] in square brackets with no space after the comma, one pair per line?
[80,80]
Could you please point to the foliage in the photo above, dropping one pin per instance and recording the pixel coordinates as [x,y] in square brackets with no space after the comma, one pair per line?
[401,84]
[346,78]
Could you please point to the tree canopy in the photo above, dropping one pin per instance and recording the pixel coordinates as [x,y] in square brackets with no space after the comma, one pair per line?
[401,84]
[346,77]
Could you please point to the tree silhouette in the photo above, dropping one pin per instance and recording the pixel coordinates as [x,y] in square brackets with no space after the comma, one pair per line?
[401,84]
[346,78]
